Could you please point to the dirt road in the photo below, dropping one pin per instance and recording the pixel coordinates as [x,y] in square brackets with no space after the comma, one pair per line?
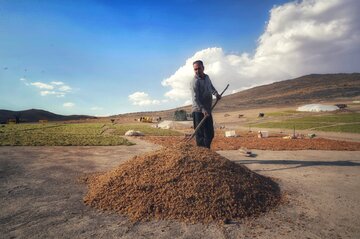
[41,198]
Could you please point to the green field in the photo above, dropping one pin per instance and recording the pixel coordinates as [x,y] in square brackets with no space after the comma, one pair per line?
[335,123]
[86,134]
[350,128]
[282,113]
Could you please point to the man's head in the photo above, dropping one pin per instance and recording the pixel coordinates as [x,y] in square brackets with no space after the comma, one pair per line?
[199,68]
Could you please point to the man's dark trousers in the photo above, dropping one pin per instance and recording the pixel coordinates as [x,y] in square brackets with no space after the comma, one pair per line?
[205,134]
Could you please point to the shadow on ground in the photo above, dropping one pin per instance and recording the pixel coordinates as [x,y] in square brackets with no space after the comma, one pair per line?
[298,163]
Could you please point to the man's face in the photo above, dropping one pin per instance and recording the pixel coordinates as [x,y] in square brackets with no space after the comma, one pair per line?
[198,69]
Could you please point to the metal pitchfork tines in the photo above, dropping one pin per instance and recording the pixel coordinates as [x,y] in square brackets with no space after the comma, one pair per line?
[187,139]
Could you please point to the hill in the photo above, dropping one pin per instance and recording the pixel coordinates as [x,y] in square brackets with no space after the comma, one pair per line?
[34,115]
[306,89]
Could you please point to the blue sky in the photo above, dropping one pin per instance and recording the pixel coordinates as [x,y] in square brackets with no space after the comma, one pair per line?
[88,57]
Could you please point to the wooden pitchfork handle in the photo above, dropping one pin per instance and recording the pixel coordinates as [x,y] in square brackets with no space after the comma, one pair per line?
[205,117]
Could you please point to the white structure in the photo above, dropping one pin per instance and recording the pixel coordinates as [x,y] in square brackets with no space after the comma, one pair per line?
[166,124]
[230,133]
[263,134]
[317,108]
[134,133]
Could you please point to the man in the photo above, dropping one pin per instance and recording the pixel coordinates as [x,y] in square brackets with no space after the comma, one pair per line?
[202,91]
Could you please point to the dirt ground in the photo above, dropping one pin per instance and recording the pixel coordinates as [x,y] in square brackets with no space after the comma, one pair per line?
[40,196]
[274,142]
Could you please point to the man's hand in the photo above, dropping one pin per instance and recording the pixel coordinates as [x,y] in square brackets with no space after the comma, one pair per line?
[218,97]
[205,113]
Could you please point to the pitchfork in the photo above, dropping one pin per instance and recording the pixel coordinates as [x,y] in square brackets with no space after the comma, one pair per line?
[205,117]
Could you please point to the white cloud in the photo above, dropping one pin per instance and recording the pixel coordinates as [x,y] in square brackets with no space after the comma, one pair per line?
[47,92]
[64,88]
[56,88]
[69,104]
[142,99]
[57,83]
[244,88]
[42,85]
[310,36]
[188,102]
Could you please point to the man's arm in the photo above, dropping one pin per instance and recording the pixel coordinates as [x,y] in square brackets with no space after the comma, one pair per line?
[196,95]
[214,91]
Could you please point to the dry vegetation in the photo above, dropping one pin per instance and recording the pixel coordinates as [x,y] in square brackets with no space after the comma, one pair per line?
[275,142]
[80,134]
[184,183]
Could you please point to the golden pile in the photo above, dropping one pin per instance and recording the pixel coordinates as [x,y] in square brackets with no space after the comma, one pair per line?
[185,183]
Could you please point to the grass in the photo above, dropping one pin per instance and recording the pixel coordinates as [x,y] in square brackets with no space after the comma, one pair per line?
[334,118]
[282,113]
[86,134]
[350,128]
[347,123]
[290,125]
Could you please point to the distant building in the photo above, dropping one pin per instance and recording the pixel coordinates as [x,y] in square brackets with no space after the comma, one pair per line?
[180,115]
[341,106]
[11,121]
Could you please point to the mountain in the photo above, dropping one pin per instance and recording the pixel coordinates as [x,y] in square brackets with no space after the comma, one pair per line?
[302,90]
[305,89]
[34,115]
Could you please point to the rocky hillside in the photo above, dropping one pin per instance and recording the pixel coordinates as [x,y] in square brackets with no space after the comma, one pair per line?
[305,89]
[34,115]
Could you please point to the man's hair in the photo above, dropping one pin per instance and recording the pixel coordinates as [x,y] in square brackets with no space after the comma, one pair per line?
[198,62]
